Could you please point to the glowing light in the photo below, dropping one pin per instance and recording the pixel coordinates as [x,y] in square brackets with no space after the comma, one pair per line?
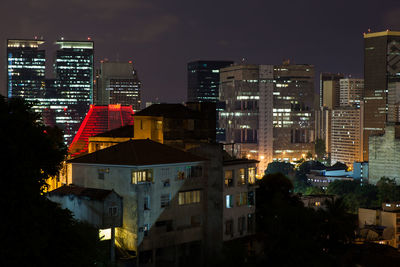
[105,234]
[248,155]
[262,157]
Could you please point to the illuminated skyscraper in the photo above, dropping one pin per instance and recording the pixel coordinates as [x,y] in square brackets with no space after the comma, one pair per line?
[351,92]
[203,80]
[118,83]
[381,74]
[269,111]
[26,64]
[74,74]
[203,86]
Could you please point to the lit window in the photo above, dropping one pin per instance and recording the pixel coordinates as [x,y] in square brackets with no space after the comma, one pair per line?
[229,178]
[229,201]
[189,197]
[242,177]
[142,176]
[252,175]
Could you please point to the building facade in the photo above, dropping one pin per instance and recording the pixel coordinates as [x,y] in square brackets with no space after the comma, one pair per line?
[384,155]
[347,137]
[329,89]
[203,86]
[381,69]
[239,198]
[351,92]
[323,126]
[118,83]
[269,111]
[203,80]
[164,200]
[26,64]
[74,73]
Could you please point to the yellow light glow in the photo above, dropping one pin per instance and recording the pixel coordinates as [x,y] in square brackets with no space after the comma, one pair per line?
[248,155]
[105,234]
[262,157]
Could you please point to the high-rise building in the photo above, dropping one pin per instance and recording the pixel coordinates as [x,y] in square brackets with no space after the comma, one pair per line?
[203,86]
[26,64]
[329,89]
[74,74]
[351,92]
[381,71]
[203,80]
[117,83]
[323,126]
[347,125]
[269,111]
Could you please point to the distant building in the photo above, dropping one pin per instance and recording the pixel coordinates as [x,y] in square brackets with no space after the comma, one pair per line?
[360,171]
[118,83]
[74,73]
[381,68]
[329,90]
[388,218]
[203,86]
[26,64]
[110,138]
[176,124]
[203,80]
[346,135]
[239,198]
[269,111]
[317,201]
[351,92]
[323,126]
[384,155]
[99,119]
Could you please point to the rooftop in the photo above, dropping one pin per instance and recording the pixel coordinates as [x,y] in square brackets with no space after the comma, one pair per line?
[137,153]
[124,131]
[380,34]
[92,193]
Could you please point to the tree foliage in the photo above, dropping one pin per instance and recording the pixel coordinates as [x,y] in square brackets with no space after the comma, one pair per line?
[320,148]
[36,231]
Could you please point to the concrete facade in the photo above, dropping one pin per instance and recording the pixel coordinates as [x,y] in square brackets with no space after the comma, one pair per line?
[269,111]
[384,155]
[239,198]
[346,138]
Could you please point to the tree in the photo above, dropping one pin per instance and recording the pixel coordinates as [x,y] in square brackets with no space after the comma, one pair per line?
[279,167]
[388,191]
[320,148]
[34,230]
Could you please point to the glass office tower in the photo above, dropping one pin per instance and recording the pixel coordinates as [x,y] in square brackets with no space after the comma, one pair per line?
[25,69]
[74,75]
[203,86]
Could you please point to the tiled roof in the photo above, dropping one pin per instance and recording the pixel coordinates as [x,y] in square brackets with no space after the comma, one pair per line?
[137,152]
[92,193]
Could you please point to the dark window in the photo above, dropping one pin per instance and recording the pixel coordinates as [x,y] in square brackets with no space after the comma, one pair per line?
[229,227]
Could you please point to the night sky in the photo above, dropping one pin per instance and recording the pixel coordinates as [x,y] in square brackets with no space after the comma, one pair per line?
[162,36]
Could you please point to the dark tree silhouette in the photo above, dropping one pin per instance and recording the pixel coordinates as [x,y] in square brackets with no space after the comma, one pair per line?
[35,231]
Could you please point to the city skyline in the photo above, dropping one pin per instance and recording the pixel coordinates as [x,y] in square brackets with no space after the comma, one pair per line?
[162,38]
